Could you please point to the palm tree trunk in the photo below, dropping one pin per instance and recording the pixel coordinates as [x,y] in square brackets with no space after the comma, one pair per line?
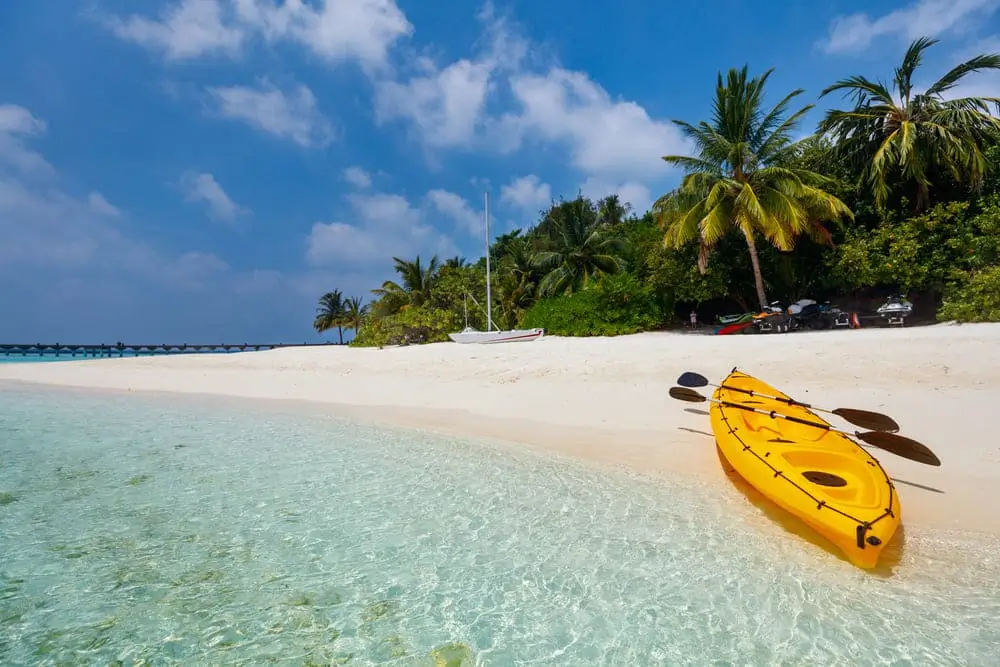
[340,330]
[757,277]
[923,199]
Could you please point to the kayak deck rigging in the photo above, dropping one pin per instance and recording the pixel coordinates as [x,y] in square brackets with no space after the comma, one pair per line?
[819,478]
[818,474]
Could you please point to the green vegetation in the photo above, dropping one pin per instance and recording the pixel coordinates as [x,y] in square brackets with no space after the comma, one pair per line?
[909,145]
[335,311]
[742,178]
[897,192]
[615,305]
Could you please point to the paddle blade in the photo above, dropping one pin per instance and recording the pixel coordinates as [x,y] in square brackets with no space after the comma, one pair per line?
[684,394]
[690,379]
[901,446]
[872,421]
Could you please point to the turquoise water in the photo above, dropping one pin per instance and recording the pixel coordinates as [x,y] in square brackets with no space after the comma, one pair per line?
[12,359]
[154,530]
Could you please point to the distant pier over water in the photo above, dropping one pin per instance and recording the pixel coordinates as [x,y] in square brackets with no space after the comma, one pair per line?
[104,350]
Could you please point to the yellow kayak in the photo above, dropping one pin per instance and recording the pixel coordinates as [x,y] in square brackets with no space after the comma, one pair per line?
[822,477]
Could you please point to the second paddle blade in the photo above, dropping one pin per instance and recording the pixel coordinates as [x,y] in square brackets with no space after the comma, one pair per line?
[873,421]
[901,446]
[690,379]
[684,394]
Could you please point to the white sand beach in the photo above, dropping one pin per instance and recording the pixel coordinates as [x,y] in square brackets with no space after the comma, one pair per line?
[605,399]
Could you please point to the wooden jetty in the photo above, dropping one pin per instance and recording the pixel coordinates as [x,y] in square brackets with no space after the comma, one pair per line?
[130,350]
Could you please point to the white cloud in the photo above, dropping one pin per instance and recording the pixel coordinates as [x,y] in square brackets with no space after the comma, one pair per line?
[187,29]
[451,106]
[98,204]
[335,30]
[527,193]
[198,187]
[358,177]
[290,115]
[459,210]
[17,124]
[387,226]
[856,32]
[18,120]
[636,194]
[604,136]
[447,105]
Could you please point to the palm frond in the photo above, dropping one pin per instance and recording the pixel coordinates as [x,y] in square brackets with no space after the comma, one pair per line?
[918,137]
[737,176]
[903,75]
[863,90]
[960,71]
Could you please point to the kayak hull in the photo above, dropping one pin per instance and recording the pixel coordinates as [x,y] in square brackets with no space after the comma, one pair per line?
[734,328]
[822,477]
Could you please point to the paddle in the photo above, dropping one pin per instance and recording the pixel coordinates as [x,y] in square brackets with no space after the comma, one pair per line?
[873,421]
[890,442]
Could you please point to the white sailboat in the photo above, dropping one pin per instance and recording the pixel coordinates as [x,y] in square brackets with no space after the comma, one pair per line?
[491,335]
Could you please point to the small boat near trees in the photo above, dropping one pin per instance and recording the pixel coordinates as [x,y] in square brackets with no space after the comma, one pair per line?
[492,335]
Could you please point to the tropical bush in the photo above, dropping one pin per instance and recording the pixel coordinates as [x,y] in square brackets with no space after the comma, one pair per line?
[926,252]
[417,324]
[976,299]
[615,305]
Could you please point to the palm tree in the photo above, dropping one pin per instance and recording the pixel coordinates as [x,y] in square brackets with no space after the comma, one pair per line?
[355,310]
[517,284]
[910,134]
[612,211]
[578,248]
[330,313]
[415,289]
[737,180]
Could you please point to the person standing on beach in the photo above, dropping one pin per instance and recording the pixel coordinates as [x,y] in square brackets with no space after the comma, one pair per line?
[694,319]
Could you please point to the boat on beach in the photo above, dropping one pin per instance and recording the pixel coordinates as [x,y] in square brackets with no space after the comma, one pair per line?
[804,465]
[492,335]
[471,335]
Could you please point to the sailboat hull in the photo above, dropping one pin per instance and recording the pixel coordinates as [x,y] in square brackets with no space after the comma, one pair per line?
[485,337]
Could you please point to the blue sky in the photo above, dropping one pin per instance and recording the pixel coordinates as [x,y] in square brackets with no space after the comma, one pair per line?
[202,171]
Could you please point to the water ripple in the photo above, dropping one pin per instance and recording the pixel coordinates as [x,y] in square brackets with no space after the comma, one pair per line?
[144,530]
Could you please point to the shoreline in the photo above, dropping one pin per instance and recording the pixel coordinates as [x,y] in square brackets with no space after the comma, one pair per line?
[581,444]
[605,400]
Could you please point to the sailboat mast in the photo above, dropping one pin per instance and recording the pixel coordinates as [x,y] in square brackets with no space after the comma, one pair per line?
[489,295]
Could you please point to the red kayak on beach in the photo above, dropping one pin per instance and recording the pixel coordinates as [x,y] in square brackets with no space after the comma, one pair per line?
[733,328]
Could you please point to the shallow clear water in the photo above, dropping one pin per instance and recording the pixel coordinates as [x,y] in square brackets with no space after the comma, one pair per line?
[148,529]
[32,359]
